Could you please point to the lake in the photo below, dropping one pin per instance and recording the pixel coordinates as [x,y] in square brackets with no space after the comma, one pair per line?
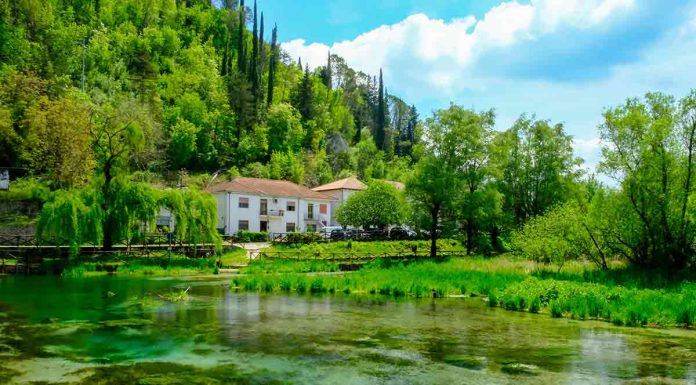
[119,330]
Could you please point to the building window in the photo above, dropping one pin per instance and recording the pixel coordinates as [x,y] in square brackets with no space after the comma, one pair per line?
[289,227]
[243,225]
[291,205]
[243,203]
[322,208]
[310,210]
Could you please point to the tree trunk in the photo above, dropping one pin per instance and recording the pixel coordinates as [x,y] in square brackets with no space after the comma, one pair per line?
[107,226]
[434,212]
[469,238]
[495,232]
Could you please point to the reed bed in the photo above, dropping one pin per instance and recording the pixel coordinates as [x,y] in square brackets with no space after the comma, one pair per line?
[577,290]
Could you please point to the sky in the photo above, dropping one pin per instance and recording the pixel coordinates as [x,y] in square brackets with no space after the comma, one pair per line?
[562,60]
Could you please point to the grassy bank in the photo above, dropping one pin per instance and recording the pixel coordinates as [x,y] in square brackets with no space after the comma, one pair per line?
[579,291]
[155,265]
[319,250]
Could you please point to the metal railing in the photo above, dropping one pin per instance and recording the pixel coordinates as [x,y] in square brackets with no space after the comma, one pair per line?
[273,212]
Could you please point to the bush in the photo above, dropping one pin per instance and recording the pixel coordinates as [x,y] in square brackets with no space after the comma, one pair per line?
[302,238]
[251,236]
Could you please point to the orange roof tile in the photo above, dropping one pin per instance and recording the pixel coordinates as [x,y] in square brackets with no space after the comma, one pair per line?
[350,183]
[268,187]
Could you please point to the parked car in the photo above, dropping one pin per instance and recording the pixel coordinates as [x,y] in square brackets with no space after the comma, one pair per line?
[401,233]
[338,235]
[327,230]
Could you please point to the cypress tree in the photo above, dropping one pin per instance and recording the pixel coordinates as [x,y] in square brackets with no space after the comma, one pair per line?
[241,56]
[254,70]
[305,103]
[299,62]
[225,58]
[272,65]
[326,73]
[262,61]
[380,121]
[411,127]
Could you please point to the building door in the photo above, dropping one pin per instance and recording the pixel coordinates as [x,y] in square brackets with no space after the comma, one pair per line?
[264,226]
[264,208]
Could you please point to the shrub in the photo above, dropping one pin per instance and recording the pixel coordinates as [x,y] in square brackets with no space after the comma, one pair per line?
[302,238]
[251,236]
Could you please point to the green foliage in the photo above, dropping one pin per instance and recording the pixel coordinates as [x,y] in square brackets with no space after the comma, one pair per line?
[58,141]
[74,217]
[651,154]
[452,171]
[379,206]
[171,85]
[554,237]
[621,306]
[250,236]
[26,189]
[371,248]
[535,168]
[302,238]
[195,213]
[510,284]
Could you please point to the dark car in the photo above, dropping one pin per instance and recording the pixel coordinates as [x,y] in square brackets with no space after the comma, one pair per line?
[338,235]
[400,233]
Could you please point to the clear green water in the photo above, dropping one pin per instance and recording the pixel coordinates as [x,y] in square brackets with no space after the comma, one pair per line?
[112,330]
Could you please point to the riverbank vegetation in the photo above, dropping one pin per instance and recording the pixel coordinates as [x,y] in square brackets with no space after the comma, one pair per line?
[339,249]
[159,264]
[621,294]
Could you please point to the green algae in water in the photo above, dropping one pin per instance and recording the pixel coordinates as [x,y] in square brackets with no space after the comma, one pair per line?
[520,369]
[7,374]
[466,361]
[127,323]
[164,373]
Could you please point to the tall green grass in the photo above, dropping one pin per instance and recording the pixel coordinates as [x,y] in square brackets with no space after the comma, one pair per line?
[617,304]
[374,248]
[160,265]
[286,266]
[513,284]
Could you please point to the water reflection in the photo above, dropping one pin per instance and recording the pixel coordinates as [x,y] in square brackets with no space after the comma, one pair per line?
[76,324]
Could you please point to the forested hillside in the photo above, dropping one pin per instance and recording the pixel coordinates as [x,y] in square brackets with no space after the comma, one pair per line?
[159,86]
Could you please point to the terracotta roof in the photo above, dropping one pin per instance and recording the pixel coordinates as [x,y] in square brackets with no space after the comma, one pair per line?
[398,185]
[268,187]
[350,183]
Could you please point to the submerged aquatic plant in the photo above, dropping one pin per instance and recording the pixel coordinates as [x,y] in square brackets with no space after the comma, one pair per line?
[176,296]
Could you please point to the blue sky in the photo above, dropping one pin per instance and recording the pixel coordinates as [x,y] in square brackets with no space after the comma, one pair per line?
[563,60]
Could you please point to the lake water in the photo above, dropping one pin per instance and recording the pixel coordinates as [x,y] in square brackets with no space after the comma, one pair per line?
[113,330]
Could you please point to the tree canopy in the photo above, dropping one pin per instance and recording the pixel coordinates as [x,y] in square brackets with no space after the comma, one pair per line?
[378,206]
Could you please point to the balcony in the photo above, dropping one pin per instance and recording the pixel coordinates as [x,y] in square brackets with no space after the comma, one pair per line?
[273,213]
[311,218]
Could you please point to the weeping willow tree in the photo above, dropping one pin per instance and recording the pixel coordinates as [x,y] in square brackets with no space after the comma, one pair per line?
[67,218]
[195,215]
[136,206]
[118,135]
[76,217]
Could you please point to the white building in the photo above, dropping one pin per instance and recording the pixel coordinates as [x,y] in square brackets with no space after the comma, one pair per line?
[339,191]
[272,206]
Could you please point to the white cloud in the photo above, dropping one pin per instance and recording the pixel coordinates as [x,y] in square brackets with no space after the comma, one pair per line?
[431,62]
[588,149]
[454,45]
